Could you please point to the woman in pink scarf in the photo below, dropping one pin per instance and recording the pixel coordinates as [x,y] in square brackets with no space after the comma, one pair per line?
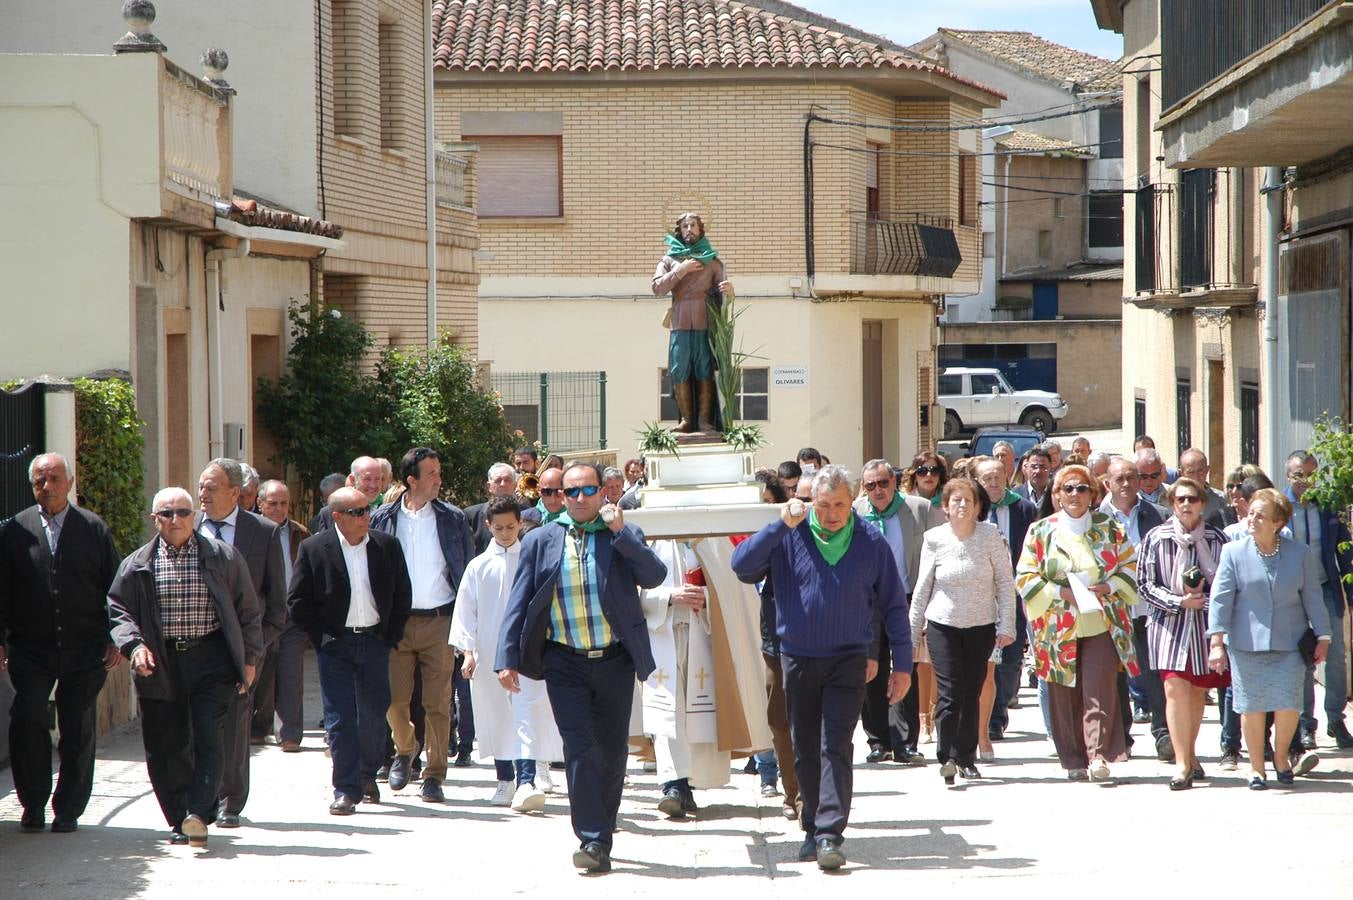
[1177,561]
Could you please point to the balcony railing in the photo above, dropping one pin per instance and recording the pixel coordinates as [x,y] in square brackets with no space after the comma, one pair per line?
[1153,204]
[903,244]
[451,189]
[195,120]
[1201,39]
[1197,188]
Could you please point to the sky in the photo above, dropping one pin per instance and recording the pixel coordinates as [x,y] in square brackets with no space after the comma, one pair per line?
[1068,22]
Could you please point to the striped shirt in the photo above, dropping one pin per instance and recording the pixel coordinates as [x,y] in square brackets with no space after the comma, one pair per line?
[186,609]
[1176,638]
[576,616]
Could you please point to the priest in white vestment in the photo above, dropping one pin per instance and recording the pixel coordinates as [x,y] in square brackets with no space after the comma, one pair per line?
[517,730]
[705,700]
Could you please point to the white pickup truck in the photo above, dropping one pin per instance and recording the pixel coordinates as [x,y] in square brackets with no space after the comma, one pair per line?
[976,397]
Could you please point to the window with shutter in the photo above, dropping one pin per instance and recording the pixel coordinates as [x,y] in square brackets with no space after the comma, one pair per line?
[519,176]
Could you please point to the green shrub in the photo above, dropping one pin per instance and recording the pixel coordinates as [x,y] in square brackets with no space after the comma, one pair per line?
[108,451]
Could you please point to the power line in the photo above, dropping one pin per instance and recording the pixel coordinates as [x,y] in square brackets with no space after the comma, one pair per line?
[922,154]
[949,129]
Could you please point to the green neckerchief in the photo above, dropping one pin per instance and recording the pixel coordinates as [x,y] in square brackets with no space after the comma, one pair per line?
[832,546]
[1010,499]
[546,517]
[592,527]
[935,500]
[880,517]
[700,250]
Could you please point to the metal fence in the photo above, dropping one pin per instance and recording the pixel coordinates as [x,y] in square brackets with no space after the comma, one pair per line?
[565,411]
[903,244]
[23,433]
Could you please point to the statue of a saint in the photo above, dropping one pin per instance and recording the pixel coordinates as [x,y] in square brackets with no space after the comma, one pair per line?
[693,272]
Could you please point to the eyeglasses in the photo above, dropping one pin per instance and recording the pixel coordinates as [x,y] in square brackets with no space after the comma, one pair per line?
[169,514]
[1299,478]
[1234,487]
[1187,498]
[872,486]
[587,490]
[356,511]
[922,471]
[1150,475]
[550,492]
[1075,489]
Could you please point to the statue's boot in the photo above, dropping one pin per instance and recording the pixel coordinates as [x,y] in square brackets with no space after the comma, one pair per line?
[706,404]
[685,406]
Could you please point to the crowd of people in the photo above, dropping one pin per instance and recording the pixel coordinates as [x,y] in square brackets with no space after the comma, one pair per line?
[543,630]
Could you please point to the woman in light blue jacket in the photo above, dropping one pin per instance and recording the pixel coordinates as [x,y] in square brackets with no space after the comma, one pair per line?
[1265,595]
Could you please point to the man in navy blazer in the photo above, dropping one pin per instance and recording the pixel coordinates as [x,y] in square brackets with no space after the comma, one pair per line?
[350,594]
[1322,531]
[573,619]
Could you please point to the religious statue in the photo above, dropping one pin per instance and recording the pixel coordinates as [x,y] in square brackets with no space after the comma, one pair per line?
[694,274]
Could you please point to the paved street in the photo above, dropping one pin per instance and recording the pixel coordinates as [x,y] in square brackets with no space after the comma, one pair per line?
[1022,822]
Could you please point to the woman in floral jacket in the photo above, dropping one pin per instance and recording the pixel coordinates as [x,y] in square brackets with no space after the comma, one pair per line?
[1078,645]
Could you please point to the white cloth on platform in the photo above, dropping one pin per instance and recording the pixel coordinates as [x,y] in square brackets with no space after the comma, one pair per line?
[507,726]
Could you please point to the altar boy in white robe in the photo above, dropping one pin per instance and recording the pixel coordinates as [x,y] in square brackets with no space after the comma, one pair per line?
[705,699]
[518,729]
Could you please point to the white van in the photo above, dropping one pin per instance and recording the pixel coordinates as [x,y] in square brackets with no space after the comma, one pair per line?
[976,397]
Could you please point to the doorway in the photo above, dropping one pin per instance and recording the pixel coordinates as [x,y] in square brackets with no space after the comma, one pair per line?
[871,365]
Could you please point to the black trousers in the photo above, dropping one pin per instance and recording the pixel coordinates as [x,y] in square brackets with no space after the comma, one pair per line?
[289,686]
[884,723]
[959,657]
[184,736]
[78,675]
[591,699]
[462,712]
[264,706]
[824,696]
[235,775]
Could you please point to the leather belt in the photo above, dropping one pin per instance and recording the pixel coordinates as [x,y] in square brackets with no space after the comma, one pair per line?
[365,629]
[182,644]
[599,653]
[435,612]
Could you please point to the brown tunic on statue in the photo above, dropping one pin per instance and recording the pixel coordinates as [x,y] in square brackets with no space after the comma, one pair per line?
[689,291]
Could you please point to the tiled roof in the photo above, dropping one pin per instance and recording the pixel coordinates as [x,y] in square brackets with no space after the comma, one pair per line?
[1029,142]
[248,211]
[1043,57]
[646,35]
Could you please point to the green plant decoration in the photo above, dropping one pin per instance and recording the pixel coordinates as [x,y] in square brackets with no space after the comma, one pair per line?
[654,438]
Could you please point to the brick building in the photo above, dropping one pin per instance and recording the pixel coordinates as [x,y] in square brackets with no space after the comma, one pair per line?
[595,132]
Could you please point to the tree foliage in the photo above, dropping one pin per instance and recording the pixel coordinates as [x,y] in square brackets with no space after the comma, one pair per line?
[326,410]
[440,404]
[108,452]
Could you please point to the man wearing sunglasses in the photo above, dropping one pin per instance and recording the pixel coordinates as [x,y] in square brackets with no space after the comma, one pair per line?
[1151,475]
[350,593]
[550,506]
[183,610]
[893,729]
[574,620]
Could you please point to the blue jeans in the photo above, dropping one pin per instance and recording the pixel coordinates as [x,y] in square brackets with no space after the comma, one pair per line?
[1008,673]
[523,771]
[1336,672]
[1230,722]
[354,671]
[767,767]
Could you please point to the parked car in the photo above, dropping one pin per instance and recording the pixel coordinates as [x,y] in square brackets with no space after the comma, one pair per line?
[976,397]
[1021,437]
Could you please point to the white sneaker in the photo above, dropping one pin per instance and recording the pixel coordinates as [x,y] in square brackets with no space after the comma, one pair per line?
[650,768]
[503,796]
[528,798]
[543,779]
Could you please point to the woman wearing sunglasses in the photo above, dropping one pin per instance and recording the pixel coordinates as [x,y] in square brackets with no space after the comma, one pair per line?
[1176,564]
[926,477]
[1077,576]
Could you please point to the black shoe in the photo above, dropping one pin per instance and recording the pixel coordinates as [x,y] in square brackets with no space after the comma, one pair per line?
[196,829]
[829,855]
[400,771]
[383,773]
[878,755]
[342,806]
[1308,739]
[688,804]
[33,822]
[592,857]
[750,768]
[64,825]
[1342,739]
[1164,749]
[969,771]
[371,793]
[908,757]
[808,849]
[178,838]
[996,734]
[465,761]
[673,803]
[432,791]
[227,820]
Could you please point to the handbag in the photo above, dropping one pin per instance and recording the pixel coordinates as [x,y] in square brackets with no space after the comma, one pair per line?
[1306,645]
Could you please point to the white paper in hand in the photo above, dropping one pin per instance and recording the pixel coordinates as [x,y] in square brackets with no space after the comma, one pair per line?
[1087,601]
